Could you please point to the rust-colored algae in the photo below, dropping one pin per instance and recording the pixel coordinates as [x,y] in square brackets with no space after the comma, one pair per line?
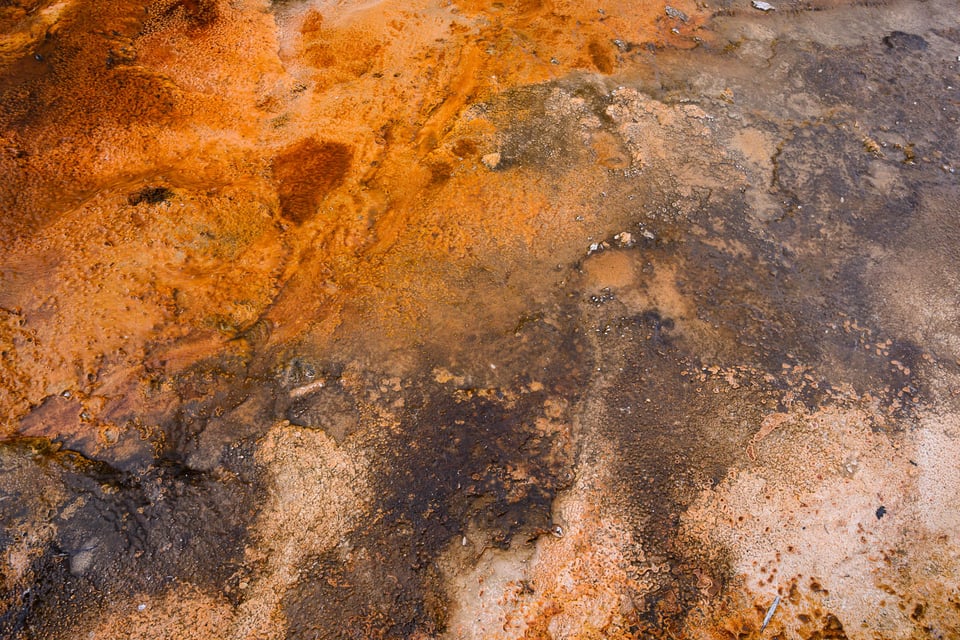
[305,173]
[468,320]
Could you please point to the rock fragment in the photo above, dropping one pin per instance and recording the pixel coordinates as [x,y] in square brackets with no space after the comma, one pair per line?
[676,14]
[491,160]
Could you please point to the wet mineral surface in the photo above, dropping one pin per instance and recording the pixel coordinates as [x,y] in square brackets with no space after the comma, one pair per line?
[462,320]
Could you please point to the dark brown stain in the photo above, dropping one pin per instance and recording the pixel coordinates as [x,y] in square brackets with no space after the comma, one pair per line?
[900,40]
[601,57]
[464,148]
[448,467]
[131,533]
[917,612]
[150,195]
[832,630]
[199,13]
[306,172]
[439,173]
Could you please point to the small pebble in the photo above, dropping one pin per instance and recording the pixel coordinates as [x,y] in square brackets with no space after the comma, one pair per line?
[491,160]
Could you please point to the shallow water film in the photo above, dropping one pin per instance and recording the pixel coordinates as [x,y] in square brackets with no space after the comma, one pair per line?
[463,320]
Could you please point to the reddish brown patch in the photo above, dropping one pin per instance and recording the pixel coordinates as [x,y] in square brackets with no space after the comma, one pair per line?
[306,172]
[55,416]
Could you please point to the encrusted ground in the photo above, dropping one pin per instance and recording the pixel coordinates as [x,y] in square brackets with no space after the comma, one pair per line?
[467,320]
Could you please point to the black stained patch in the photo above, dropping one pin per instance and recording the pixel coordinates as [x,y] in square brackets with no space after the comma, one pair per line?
[835,78]
[150,195]
[779,311]
[120,534]
[28,490]
[749,301]
[803,302]
[42,610]
[892,93]
[180,516]
[457,462]
[902,41]
[361,593]
[672,437]
[226,400]
[822,164]
[217,403]
[464,456]
[765,312]
[881,511]
[791,308]
[203,393]
[135,534]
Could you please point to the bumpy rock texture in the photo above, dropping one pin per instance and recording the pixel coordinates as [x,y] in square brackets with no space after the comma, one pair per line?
[468,320]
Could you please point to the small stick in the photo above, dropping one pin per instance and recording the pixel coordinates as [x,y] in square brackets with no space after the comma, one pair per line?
[770,612]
